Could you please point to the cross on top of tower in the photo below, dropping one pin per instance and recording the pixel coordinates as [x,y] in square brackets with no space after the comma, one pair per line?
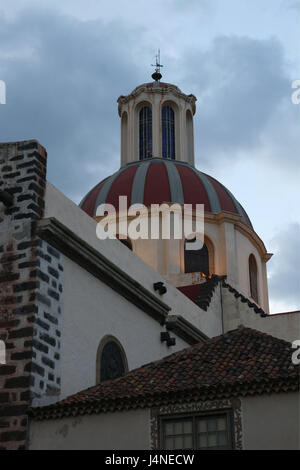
[157,75]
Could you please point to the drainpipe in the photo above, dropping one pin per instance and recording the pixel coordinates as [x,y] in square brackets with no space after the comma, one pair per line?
[222,311]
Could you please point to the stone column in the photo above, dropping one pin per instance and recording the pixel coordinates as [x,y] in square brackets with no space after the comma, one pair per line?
[30,292]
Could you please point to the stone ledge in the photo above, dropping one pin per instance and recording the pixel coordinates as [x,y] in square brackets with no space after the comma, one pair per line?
[185,330]
[75,248]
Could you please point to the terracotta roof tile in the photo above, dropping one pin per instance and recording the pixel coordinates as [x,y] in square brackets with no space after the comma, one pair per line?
[241,362]
[201,294]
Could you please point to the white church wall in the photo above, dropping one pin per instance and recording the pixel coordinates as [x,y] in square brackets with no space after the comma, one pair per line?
[244,249]
[215,305]
[60,207]
[284,326]
[167,256]
[260,427]
[153,253]
[107,431]
[232,267]
[93,310]
[220,251]
[271,422]
[212,231]
[232,250]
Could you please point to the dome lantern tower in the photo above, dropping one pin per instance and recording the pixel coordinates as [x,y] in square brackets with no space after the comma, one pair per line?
[157,121]
[157,166]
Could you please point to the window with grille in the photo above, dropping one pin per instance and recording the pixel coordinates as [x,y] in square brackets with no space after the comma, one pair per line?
[145,132]
[201,432]
[168,132]
[178,434]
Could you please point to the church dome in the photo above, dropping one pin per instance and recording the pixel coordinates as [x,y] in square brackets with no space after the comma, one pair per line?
[159,180]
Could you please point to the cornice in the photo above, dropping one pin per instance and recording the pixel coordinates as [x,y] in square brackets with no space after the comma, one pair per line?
[185,330]
[75,248]
[221,218]
[162,90]
[202,394]
[241,227]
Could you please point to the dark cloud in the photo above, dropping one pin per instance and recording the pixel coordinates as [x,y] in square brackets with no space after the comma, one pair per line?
[243,95]
[292,5]
[63,78]
[284,272]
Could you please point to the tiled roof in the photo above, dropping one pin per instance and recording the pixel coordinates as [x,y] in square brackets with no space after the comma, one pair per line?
[244,299]
[239,363]
[201,294]
[156,180]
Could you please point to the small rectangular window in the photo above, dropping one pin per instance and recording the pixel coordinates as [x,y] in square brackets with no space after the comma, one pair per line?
[212,432]
[179,434]
[198,431]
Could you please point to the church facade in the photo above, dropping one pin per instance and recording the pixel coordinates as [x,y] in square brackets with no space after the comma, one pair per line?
[82,313]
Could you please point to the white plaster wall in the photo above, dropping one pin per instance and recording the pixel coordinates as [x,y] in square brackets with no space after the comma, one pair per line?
[244,249]
[107,431]
[271,422]
[167,256]
[212,231]
[236,313]
[215,305]
[93,310]
[60,207]
[232,251]
[232,267]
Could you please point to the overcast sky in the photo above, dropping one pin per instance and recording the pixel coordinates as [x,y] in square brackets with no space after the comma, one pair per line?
[66,62]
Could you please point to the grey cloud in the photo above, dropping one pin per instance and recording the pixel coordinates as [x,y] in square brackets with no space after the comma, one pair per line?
[291,5]
[242,87]
[284,266]
[203,5]
[63,78]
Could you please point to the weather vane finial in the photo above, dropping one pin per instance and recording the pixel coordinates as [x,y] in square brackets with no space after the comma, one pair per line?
[157,75]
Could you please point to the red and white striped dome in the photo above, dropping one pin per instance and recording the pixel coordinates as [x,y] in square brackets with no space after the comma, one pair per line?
[158,180]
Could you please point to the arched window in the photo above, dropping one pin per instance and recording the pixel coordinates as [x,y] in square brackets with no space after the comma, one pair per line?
[196,260]
[145,132]
[111,360]
[253,278]
[168,132]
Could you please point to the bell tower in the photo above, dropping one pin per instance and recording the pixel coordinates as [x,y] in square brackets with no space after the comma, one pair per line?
[157,121]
